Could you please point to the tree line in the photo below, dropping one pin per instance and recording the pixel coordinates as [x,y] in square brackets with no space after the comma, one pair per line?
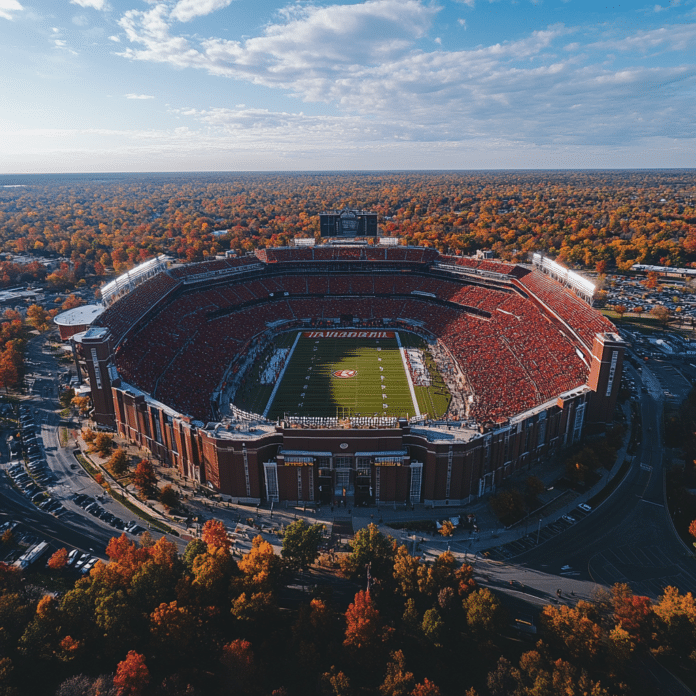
[150,621]
[594,220]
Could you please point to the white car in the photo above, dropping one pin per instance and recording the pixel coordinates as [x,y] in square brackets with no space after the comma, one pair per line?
[568,518]
[585,507]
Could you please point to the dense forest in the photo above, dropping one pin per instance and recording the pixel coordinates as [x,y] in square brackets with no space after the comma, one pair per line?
[153,622]
[595,220]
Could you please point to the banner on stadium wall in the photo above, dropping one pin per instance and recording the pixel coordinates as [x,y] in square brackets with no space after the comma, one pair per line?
[387,461]
[348,334]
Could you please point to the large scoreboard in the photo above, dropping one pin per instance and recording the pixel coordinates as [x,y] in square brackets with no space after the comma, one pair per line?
[348,223]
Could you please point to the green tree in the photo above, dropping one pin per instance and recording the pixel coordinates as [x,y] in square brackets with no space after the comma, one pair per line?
[508,506]
[66,398]
[301,543]
[371,549]
[194,548]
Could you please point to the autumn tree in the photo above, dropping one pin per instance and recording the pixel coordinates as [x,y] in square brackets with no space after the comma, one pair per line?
[632,613]
[620,309]
[366,633]
[301,543]
[37,317]
[144,477]
[58,560]
[661,315]
[81,403]
[88,435]
[71,302]
[397,680]
[238,658]
[214,534]
[428,688]
[676,624]
[168,496]
[9,375]
[575,631]
[118,463]
[447,528]
[103,444]
[485,615]
[261,568]
[132,675]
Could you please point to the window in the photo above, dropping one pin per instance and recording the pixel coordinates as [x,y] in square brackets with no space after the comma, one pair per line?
[364,465]
[270,472]
[416,479]
[343,462]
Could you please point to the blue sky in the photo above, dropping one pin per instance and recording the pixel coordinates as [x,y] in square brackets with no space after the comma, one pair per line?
[209,85]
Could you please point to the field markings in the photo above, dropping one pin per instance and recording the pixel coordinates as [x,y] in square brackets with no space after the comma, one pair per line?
[408,375]
[282,374]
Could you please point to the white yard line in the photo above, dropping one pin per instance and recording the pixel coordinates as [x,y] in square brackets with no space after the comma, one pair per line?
[280,377]
[408,374]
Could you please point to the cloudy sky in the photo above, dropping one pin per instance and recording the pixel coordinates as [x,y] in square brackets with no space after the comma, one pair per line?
[196,85]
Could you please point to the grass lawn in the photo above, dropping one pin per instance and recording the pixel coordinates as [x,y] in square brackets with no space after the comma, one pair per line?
[377,383]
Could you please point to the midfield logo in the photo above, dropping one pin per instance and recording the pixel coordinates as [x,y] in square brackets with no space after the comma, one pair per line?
[345,374]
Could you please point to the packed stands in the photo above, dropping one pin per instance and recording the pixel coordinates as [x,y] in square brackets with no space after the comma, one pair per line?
[328,252]
[513,356]
[585,321]
[121,316]
[218,266]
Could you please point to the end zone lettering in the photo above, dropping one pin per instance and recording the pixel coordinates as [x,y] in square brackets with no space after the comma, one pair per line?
[348,334]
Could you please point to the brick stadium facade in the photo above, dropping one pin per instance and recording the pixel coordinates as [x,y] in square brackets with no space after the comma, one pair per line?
[536,363]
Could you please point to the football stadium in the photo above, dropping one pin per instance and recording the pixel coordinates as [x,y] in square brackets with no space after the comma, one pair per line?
[350,370]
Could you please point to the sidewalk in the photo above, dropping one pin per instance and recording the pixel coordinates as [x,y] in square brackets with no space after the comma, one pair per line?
[204,504]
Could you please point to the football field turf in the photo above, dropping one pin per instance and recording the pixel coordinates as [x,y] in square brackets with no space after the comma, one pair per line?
[341,377]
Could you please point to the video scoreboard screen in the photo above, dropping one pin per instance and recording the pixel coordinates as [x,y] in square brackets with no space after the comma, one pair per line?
[348,223]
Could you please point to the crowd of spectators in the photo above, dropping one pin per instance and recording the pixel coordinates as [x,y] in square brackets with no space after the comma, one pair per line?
[125,312]
[212,267]
[512,355]
[347,253]
[585,321]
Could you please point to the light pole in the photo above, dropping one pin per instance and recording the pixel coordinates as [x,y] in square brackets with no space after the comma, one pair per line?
[538,531]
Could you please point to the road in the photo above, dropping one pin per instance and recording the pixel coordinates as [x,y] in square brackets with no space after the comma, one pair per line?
[629,538]
[77,528]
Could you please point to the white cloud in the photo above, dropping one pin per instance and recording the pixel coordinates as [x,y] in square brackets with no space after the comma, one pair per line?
[366,60]
[80,20]
[116,39]
[675,37]
[94,4]
[462,22]
[8,6]
[138,96]
[186,10]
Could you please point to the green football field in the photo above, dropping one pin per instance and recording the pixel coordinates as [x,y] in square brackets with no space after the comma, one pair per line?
[371,379]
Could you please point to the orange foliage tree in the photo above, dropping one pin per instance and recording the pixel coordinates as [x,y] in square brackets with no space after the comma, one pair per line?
[132,675]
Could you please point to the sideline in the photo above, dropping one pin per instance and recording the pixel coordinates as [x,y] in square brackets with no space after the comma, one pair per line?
[408,375]
[280,377]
